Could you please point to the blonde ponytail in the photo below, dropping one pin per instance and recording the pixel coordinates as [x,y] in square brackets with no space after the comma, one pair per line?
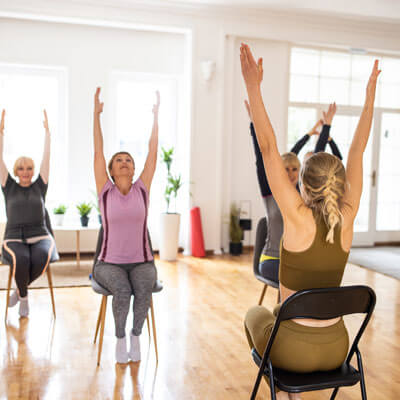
[323,178]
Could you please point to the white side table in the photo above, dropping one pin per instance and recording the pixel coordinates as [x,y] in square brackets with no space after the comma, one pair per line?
[78,230]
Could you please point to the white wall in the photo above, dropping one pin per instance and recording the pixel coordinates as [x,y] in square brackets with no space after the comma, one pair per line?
[222,166]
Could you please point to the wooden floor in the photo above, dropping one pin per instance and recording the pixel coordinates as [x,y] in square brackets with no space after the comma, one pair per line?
[203,353]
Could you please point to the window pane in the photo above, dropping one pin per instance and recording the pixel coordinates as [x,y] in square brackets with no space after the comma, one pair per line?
[357,93]
[388,207]
[335,65]
[390,95]
[390,70]
[305,62]
[301,120]
[361,67]
[304,89]
[334,90]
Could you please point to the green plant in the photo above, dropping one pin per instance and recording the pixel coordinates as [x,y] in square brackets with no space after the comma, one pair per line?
[173,182]
[84,209]
[61,209]
[235,231]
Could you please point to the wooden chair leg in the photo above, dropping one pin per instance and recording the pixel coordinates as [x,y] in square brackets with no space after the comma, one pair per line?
[262,294]
[103,321]
[50,279]
[99,319]
[148,326]
[8,292]
[154,327]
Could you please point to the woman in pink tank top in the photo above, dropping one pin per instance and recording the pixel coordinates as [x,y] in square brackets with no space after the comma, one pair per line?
[125,266]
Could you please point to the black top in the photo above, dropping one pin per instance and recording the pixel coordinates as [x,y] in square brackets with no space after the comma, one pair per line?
[26,214]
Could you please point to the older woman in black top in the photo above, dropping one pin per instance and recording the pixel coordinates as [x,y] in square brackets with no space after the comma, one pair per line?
[28,246]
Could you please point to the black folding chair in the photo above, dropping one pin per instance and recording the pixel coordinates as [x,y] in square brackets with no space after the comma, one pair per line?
[321,304]
[261,235]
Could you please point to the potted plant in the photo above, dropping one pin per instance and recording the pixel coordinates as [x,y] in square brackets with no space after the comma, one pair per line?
[59,213]
[235,231]
[170,221]
[84,211]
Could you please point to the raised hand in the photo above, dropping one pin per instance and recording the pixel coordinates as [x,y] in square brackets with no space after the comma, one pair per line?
[246,103]
[328,116]
[315,129]
[98,107]
[371,87]
[252,71]
[3,116]
[156,106]
[46,121]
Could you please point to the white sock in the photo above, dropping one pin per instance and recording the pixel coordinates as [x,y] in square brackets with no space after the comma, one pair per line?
[23,306]
[134,352]
[121,354]
[14,298]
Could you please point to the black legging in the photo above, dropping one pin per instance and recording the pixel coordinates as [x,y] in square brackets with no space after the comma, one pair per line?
[31,260]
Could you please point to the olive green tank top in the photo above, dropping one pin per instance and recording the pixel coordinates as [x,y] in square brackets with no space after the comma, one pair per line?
[321,265]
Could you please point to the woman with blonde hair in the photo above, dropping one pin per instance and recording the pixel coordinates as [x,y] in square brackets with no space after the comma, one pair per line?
[318,231]
[28,245]
[125,265]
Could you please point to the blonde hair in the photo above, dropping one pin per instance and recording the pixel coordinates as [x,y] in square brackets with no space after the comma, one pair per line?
[22,161]
[291,159]
[323,179]
[110,163]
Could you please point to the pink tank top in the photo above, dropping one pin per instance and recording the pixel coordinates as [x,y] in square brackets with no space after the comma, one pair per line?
[124,219]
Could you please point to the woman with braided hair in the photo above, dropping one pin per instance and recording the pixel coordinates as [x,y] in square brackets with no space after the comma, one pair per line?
[318,230]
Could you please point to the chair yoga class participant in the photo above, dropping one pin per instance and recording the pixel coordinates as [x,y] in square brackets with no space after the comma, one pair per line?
[318,231]
[269,259]
[28,245]
[125,266]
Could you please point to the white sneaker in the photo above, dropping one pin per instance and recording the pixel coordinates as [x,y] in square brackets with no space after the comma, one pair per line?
[121,355]
[14,299]
[134,352]
[23,306]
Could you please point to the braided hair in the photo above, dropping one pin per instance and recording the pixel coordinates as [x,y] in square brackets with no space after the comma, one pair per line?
[323,178]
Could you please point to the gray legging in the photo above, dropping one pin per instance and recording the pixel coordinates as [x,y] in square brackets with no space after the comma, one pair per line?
[123,280]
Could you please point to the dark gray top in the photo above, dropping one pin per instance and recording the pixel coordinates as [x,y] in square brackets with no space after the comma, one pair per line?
[25,209]
[274,227]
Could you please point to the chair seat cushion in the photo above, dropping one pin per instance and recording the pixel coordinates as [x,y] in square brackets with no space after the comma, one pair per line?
[295,382]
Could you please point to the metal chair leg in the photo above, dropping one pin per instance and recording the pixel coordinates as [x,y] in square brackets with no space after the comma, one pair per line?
[362,380]
[262,294]
[103,321]
[148,326]
[50,279]
[154,328]
[99,319]
[333,396]
[8,292]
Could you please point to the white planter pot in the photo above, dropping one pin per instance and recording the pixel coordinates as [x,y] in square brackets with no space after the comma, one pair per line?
[59,219]
[169,236]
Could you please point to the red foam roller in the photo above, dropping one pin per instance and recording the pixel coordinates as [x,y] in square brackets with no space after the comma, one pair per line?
[196,234]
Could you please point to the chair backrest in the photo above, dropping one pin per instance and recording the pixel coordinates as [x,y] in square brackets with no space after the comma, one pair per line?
[261,236]
[100,243]
[327,303]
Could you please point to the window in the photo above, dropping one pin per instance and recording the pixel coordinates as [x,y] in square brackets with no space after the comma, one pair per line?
[24,92]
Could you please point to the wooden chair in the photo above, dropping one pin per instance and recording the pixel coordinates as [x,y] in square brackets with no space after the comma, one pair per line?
[103,306]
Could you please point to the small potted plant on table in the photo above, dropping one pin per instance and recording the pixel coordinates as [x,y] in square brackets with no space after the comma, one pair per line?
[59,213]
[84,211]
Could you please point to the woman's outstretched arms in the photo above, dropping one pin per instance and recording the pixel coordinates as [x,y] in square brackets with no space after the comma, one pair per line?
[354,168]
[3,168]
[45,165]
[284,192]
[303,140]
[100,170]
[151,161]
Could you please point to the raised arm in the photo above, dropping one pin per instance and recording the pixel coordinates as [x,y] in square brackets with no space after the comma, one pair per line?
[3,168]
[284,192]
[45,165]
[354,168]
[151,161]
[100,170]
[334,148]
[262,178]
[326,128]
[303,140]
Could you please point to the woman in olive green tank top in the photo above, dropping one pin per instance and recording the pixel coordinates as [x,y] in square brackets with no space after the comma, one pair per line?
[318,231]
